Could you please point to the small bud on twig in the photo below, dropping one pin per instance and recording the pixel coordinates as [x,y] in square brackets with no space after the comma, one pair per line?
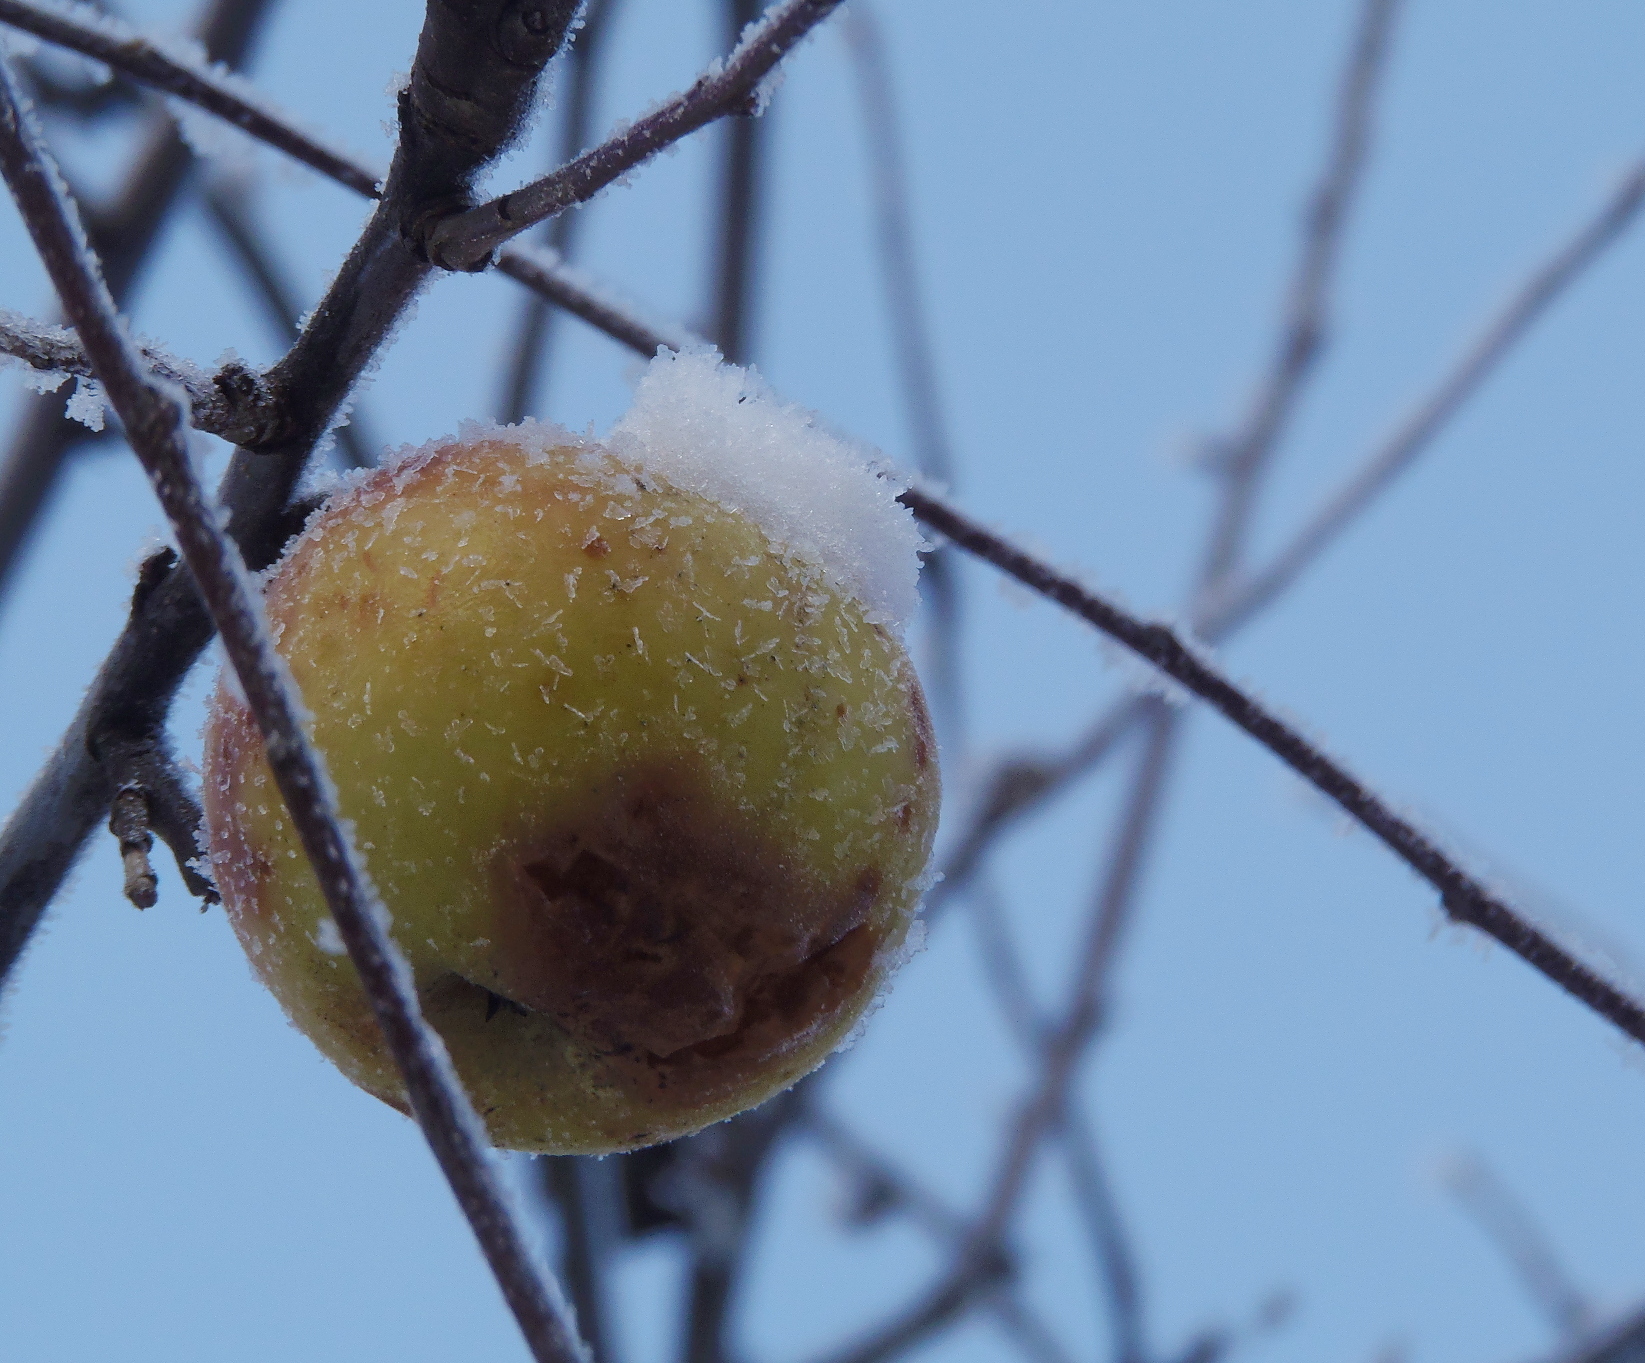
[129,822]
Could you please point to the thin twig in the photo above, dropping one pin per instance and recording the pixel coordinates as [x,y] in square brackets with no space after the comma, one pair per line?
[1019,789]
[123,234]
[528,366]
[715,1181]
[565,1178]
[1462,897]
[1303,335]
[568,288]
[902,1191]
[124,49]
[1093,1197]
[465,241]
[156,424]
[233,402]
[1110,1241]
[1509,1226]
[912,347]
[737,242]
[977,1266]
[1242,597]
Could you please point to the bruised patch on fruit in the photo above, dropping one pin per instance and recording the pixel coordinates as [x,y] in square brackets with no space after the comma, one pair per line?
[675,941]
[649,798]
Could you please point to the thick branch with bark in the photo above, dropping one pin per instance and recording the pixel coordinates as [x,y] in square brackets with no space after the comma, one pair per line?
[455,119]
[156,424]
[466,240]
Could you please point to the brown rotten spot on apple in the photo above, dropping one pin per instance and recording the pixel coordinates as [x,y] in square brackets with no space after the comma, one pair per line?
[673,938]
[631,748]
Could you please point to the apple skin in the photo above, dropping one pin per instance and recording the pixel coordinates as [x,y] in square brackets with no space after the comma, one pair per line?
[650,803]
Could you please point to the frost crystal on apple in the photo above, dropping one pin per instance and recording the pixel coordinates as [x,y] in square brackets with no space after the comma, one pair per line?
[719,431]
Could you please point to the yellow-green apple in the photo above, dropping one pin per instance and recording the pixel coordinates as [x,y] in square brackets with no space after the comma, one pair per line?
[649,796]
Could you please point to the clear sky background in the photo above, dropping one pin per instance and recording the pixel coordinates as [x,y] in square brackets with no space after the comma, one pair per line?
[1106,202]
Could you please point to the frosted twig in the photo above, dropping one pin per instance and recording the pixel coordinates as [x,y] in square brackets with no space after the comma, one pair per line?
[122,48]
[1243,596]
[911,344]
[527,368]
[456,119]
[1019,1321]
[156,425]
[1303,334]
[543,271]
[736,241]
[122,234]
[1020,788]
[465,241]
[959,1288]
[232,402]
[242,234]
[1462,897]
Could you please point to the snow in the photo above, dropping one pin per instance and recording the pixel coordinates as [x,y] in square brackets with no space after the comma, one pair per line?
[718,430]
[87,405]
[44,380]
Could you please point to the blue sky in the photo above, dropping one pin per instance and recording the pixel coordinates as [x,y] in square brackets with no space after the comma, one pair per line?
[1106,202]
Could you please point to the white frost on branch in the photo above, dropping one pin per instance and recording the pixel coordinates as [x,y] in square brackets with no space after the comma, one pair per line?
[87,405]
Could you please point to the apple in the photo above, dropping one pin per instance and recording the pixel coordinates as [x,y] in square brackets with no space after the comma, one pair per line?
[649,797]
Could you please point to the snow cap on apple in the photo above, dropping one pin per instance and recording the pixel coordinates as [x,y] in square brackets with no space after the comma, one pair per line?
[630,744]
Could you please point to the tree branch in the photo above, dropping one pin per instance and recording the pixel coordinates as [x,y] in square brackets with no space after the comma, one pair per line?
[911,345]
[1303,334]
[977,1262]
[1511,1228]
[736,257]
[1241,597]
[892,1188]
[217,91]
[527,367]
[1462,897]
[243,236]
[123,235]
[466,240]
[565,1179]
[156,424]
[1020,787]
[470,87]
